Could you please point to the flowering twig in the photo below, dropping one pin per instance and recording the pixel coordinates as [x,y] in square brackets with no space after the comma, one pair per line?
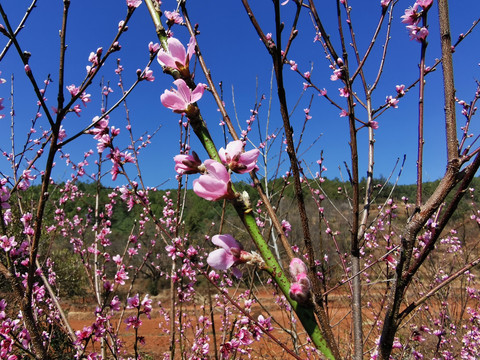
[226,119]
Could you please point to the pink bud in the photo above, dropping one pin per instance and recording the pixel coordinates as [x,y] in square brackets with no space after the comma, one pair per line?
[187,164]
[297,267]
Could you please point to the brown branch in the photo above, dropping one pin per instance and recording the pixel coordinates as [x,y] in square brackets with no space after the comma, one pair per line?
[354,180]
[275,52]
[20,26]
[418,201]
[24,57]
[61,68]
[448,82]
[433,291]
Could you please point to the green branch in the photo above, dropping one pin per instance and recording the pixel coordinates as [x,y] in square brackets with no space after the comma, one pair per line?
[304,313]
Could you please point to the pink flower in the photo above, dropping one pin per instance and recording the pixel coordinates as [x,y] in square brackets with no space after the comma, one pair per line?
[411,16]
[344,92]
[85,98]
[391,101]
[73,90]
[4,197]
[182,100]
[173,17]
[133,321]
[400,89]
[176,57]
[147,74]
[286,227]
[228,256]
[133,4]
[115,304]
[236,159]
[417,33]
[117,259]
[133,302]
[62,134]
[147,305]
[121,276]
[391,261]
[7,243]
[384,3]
[187,164]
[343,113]
[337,74]
[215,183]
[424,3]
[24,184]
[153,48]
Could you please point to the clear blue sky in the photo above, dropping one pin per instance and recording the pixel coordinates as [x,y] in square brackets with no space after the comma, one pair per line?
[236,57]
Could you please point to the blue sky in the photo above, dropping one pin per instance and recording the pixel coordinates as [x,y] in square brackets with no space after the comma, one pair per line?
[238,59]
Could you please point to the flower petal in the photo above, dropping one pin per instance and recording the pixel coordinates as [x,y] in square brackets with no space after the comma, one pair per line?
[249,159]
[183,90]
[165,59]
[209,188]
[237,272]
[222,155]
[197,93]
[234,148]
[217,170]
[191,47]
[172,100]
[226,241]
[220,259]
[177,50]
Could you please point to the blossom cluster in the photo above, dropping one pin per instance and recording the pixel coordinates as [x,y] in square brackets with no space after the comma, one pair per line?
[412,18]
[176,58]
[215,182]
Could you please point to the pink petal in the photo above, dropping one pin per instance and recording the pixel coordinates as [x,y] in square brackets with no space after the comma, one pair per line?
[297,267]
[226,242]
[214,184]
[209,188]
[177,50]
[176,53]
[222,155]
[197,93]
[217,170]
[183,90]
[234,148]
[173,101]
[191,47]
[249,159]
[295,288]
[237,272]
[165,59]
[220,259]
